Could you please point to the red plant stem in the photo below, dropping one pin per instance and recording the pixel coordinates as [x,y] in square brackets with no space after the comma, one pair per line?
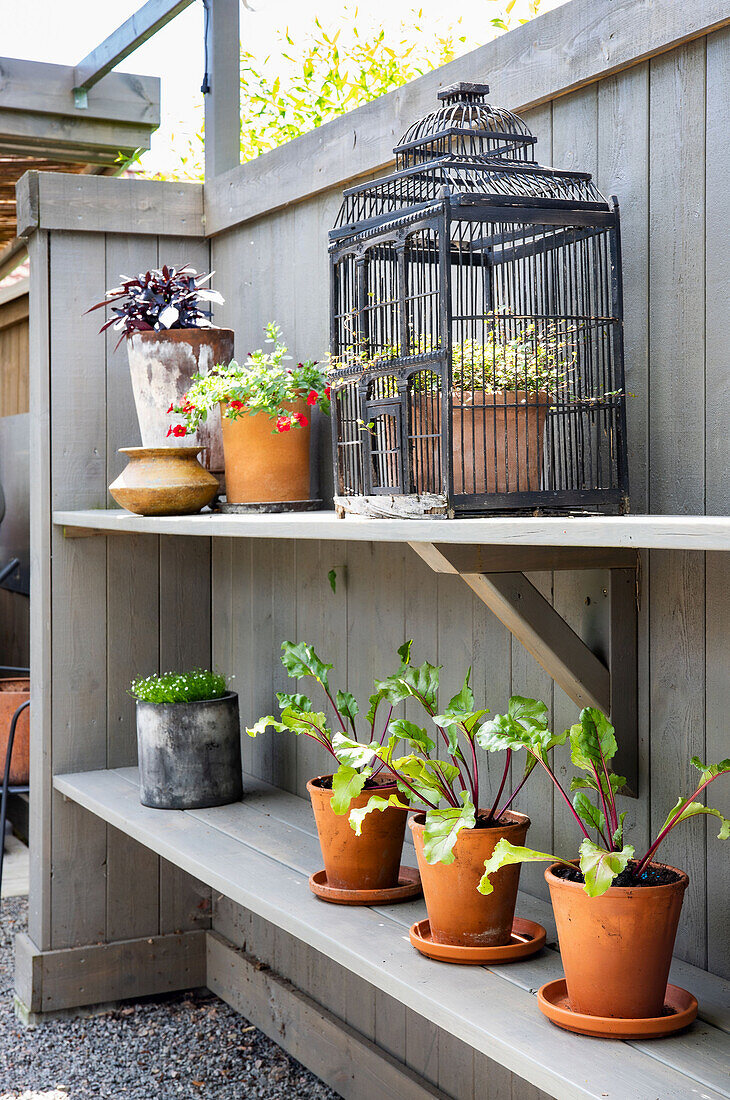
[552,775]
[442,731]
[412,789]
[381,763]
[385,728]
[670,825]
[611,827]
[475,783]
[340,719]
[505,773]
[614,816]
[513,796]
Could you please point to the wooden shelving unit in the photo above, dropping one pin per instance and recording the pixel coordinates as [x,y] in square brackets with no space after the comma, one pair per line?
[259,853]
[596,532]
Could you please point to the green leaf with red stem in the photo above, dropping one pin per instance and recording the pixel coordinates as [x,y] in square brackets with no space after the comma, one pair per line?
[506,854]
[589,814]
[287,699]
[347,783]
[464,698]
[588,783]
[592,741]
[708,772]
[442,828]
[377,802]
[600,867]
[352,753]
[419,683]
[347,705]
[692,809]
[300,660]
[411,733]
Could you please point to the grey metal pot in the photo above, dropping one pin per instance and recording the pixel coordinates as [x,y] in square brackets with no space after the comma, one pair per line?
[189,753]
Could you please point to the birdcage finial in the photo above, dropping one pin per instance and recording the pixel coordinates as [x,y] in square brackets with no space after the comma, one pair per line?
[463,91]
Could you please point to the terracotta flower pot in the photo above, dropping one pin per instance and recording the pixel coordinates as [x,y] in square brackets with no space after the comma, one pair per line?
[616,949]
[367,862]
[457,912]
[12,694]
[263,464]
[163,481]
[162,365]
[497,440]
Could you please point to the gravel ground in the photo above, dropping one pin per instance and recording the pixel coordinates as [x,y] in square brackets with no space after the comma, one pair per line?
[185,1045]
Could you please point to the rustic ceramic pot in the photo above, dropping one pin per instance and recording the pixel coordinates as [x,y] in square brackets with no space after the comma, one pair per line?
[189,753]
[162,365]
[457,913]
[12,694]
[163,481]
[263,464]
[367,862]
[497,441]
[617,949]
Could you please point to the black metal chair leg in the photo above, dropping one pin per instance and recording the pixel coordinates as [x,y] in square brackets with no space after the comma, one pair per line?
[6,784]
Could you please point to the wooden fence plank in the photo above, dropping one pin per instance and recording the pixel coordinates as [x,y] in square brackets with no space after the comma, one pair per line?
[41,506]
[78,599]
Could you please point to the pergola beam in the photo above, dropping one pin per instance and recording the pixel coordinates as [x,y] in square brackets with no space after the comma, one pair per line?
[145,22]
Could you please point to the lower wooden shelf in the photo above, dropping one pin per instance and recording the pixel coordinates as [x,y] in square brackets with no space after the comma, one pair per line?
[259,852]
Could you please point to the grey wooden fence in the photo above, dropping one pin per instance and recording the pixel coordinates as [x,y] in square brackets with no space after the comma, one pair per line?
[634,91]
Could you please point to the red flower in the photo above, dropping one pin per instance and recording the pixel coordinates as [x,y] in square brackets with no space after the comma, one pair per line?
[171,409]
[301,419]
[169,430]
[237,405]
[177,429]
[312,397]
[327,392]
[283,424]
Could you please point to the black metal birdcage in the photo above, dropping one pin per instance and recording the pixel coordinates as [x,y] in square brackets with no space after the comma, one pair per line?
[476,327]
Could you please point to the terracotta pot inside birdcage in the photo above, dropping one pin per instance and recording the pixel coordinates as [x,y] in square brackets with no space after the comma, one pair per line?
[497,441]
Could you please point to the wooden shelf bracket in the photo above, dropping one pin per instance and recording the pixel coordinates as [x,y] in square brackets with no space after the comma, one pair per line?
[495,575]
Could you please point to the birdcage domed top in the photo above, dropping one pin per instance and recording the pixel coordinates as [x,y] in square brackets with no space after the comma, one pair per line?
[465,124]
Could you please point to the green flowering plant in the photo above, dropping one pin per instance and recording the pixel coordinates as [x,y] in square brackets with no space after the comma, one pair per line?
[194,686]
[592,747]
[537,357]
[264,383]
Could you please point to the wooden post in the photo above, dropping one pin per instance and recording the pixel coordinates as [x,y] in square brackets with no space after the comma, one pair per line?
[223,95]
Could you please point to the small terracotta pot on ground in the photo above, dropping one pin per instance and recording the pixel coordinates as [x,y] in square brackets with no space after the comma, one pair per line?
[162,365]
[617,949]
[163,481]
[458,914]
[370,861]
[263,464]
[12,694]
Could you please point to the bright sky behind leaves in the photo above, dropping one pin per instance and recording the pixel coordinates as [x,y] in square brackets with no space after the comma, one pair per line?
[64,32]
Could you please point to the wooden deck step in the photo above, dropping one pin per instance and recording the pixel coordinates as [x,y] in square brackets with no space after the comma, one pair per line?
[259,853]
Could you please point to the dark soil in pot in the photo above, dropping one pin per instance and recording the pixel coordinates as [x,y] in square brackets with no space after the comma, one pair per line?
[653,875]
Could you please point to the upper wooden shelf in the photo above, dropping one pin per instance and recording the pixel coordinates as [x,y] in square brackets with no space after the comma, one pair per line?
[632,532]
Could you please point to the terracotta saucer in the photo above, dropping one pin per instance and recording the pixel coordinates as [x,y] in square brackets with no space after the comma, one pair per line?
[680,1009]
[409,886]
[527,938]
